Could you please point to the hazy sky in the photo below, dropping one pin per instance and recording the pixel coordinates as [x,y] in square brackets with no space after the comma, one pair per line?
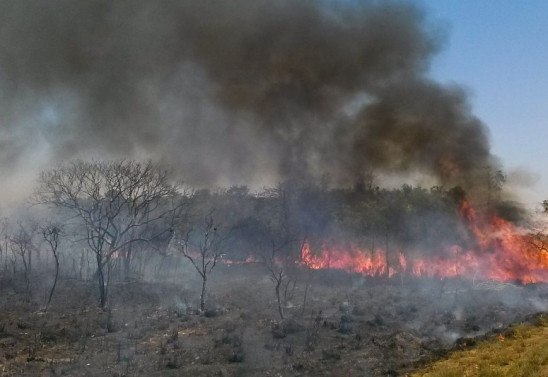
[498,50]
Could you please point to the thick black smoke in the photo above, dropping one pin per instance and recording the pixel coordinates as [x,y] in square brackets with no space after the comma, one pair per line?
[233,91]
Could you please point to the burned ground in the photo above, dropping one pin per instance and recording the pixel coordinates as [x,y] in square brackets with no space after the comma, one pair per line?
[349,326]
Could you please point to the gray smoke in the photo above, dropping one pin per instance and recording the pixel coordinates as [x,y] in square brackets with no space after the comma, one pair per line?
[233,91]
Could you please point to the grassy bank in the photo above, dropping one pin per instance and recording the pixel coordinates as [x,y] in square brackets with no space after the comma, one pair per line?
[522,351]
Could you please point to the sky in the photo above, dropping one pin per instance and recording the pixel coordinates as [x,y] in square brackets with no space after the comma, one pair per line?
[498,50]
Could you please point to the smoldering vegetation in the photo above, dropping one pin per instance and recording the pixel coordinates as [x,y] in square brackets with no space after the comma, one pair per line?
[350,326]
[244,92]
[117,270]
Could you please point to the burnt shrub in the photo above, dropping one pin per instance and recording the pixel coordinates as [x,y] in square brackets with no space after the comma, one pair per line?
[345,307]
[234,340]
[469,327]
[237,356]
[345,328]
[331,354]
[213,312]
[173,336]
[287,327]
[111,325]
[8,342]
[50,334]
[172,363]
[378,320]
[290,326]
[345,324]
[359,311]
[278,331]
[23,325]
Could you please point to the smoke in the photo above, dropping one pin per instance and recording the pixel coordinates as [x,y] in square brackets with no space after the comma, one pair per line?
[233,91]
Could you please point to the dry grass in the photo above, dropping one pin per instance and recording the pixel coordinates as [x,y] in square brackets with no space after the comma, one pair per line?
[524,352]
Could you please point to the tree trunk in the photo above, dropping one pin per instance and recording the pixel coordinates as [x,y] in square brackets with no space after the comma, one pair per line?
[387,258]
[26,273]
[127,263]
[101,281]
[28,286]
[202,295]
[305,297]
[54,282]
[279,299]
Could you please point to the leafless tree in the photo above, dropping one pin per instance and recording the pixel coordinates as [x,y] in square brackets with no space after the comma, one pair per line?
[203,247]
[51,234]
[116,203]
[277,267]
[21,243]
[276,254]
[4,241]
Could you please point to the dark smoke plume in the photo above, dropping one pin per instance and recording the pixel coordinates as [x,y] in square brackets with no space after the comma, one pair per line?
[233,91]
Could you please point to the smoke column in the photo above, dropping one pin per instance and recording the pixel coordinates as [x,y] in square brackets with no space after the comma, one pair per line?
[233,91]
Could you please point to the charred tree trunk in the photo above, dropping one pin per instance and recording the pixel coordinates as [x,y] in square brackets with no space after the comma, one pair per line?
[306,287]
[82,260]
[203,293]
[387,257]
[30,261]
[127,262]
[101,282]
[51,236]
[54,283]
[26,272]
[279,298]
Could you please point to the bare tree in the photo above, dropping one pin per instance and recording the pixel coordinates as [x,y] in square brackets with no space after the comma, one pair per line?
[203,247]
[115,201]
[277,267]
[4,241]
[51,234]
[21,243]
[275,253]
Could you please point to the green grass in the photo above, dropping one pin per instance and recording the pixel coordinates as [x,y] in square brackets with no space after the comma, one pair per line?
[523,353]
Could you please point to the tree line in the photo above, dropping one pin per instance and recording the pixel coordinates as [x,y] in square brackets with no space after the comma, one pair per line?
[122,220]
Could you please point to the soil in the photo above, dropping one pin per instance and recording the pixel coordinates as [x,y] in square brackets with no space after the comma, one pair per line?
[349,326]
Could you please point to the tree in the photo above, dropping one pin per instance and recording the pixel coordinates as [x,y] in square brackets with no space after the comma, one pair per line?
[277,266]
[4,241]
[51,234]
[277,241]
[203,247]
[115,201]
[22,244]
[495,183]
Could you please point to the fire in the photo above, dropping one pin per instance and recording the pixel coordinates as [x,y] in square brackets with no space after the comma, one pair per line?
[502,252]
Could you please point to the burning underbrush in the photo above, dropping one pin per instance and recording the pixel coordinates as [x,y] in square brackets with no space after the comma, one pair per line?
[296,280]
[328,272]
[499,251]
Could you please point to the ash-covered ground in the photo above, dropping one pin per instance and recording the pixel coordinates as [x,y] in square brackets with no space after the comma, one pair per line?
[346,326]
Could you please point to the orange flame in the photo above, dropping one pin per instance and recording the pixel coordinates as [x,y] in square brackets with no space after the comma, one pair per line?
[503,252]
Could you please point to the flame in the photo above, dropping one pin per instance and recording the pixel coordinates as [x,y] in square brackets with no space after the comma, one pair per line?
[231,262]
[502,252]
